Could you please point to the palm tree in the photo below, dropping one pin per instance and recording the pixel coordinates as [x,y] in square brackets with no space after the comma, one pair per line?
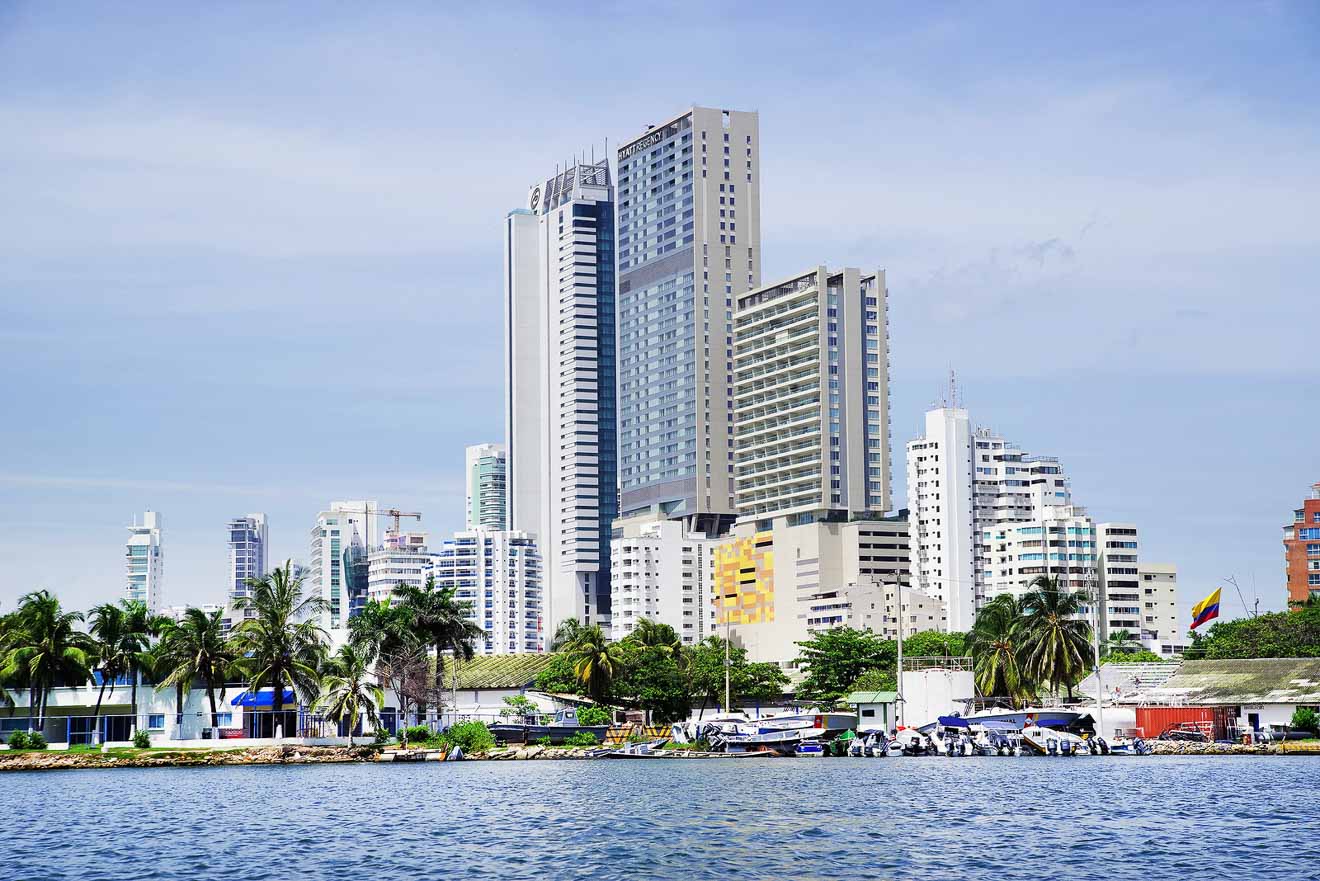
[1056,643]
[596,661]
[283,644]
[440,622]
[106,626]
[380,628]
[44,648]
[566,633]
[138,627]
[347,690]
[655,635]
[196,649]
[1121,642]
[994,643]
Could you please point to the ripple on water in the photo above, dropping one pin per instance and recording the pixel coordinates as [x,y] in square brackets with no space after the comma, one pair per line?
[836,819]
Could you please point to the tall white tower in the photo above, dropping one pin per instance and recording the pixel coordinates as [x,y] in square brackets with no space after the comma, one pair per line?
[487,486]
[939,486]
[247,559]
[145,563]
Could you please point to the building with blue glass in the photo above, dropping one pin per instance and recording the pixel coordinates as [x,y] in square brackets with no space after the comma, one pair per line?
[689,242]
[560,382]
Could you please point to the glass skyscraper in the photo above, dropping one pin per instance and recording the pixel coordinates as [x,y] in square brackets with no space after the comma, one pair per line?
[689,242]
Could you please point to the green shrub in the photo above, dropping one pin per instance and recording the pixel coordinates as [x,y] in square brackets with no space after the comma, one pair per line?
[37,740]
[1306,719]
[142,740]
[593,716]
[471,737]
[382,737]
[417,734]
[582,738]
[544,741]
[19,740]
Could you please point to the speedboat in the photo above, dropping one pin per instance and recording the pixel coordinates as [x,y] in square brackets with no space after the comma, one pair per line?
[1053,742]
[911,742]
[812,723]
[708,727]
[650,750]
[812,749]
[1027,717]
[560,727]
[783,741]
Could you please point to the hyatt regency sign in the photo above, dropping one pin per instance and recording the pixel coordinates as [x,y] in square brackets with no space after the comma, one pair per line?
[653,137]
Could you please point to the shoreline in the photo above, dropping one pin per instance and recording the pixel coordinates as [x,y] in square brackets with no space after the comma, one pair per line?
[321,755]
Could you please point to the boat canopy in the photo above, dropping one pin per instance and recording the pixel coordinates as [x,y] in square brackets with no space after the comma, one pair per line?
[263,698]
[953,722]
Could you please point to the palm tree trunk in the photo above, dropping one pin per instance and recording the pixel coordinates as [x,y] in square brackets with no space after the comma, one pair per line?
[439,682]
[277,702]
[210,694]
[132,729]
[96,723]
[178,710]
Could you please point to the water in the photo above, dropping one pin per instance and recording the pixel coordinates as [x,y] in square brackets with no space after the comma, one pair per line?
[1030,818]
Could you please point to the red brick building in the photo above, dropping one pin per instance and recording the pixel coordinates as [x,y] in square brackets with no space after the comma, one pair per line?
[1301,549]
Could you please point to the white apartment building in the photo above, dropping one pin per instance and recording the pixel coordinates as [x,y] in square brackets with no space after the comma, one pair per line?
[939,487]
[1060,543]
[811,397]
[499,573]
[248,542]
[1122,606]
[177,613]
[402,559]
[144,562]
[1162,629]
[873,604]
[487,486]
[689,243]
[560,384]
[337,570]
[960,482]
[661,572]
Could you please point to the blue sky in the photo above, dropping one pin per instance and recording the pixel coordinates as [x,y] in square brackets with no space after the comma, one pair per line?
[250,253]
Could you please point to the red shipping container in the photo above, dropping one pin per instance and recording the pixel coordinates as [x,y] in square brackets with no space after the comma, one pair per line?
[1214,721]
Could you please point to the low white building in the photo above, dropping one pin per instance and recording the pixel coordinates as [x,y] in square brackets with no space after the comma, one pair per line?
[1259,693]
[662,572]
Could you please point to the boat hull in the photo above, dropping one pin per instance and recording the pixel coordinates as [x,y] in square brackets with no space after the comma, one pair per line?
[512,733]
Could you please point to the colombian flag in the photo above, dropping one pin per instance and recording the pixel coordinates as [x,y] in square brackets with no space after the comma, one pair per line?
[1206,609]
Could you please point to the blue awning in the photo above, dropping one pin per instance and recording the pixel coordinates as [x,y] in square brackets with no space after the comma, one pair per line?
[263,698]
[953,722]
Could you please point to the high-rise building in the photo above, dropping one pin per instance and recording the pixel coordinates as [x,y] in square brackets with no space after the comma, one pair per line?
[1117,574]
[1060,543]
[487,497]
[1163,630]
[499,574]
[689,244]
[144,559]
[960,483]
[1301,550]
[663,573]
[338,555]
[402,559]
[872,603]
[939,489]
[811,397]
[247,560]
[561,385]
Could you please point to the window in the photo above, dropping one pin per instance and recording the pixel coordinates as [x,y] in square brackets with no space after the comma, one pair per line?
[156,722]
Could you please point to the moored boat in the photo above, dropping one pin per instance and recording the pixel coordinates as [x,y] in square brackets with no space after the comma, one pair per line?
[559,728]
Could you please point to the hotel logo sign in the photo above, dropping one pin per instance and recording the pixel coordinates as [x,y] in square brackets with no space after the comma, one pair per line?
[653,137]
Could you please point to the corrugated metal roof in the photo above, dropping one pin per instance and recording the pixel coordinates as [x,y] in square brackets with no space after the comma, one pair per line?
[1247,681]
[871,697]
[500,671]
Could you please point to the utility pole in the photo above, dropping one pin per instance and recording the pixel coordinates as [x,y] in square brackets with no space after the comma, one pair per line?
[898,682]
[1255,610]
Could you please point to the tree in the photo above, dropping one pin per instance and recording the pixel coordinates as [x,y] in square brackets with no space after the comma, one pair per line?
[703,665]
[1271,635]
[1306,719]
[347,691]
[44,648]
[566,633]
[1141,657]
[655,635]
[138,628]
[282,645]
[994,644]
[1121,642]
[106,628]
[195,649]
[440,622]
[834,659]
[558,677]
[1056,643]
[384,632]
[935,644]
[650,679]
[762,682]
[596,662]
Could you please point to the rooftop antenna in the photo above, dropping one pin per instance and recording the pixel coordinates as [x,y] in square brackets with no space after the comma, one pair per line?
[953,389]
[1255,611]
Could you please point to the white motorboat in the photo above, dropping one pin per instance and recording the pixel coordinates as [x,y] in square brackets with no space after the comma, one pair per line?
[821,724]
[810,749]
[1053,742]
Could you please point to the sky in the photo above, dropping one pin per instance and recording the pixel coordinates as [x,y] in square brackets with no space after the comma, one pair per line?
[250,254]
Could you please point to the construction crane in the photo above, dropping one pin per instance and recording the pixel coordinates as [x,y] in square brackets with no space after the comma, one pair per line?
[385,512]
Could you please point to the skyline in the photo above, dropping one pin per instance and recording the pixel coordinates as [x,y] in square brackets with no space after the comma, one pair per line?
[197,203]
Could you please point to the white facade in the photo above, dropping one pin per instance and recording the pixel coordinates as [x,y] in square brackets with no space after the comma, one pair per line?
[961,482]
[248,541]
[560,385]
[1162,629]
[811,396]
[939,487]
[1061,544]
[487,486]
[144,563]
[402,559]
[873,604]
[177,613]
[1121,608]
[499,573]
[663,573]
[344,526]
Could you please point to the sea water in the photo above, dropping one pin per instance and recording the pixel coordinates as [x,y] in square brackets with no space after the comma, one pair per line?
[925,818]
